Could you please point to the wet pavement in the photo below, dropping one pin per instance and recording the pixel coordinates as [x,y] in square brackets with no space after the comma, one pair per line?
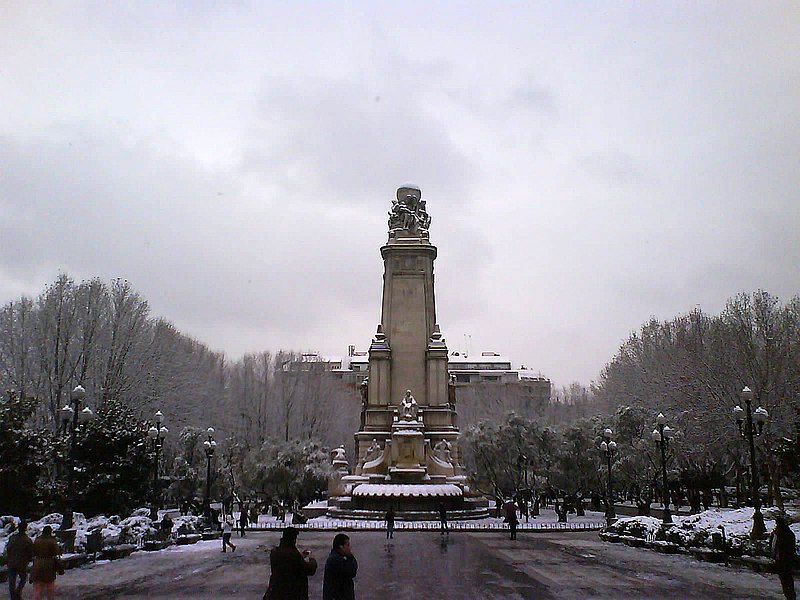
[426,565]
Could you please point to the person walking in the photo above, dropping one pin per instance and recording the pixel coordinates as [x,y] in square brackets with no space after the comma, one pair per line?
[784,552]
[390,523]
[511,517]
[45,564]
[227,531]
[19,552]
[243,520]
[289,569]
[443,519]
[340,569]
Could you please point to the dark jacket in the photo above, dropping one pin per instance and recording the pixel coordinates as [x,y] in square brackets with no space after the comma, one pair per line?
[783,547]
[19,551]
[511,514]
[290,572]
[339,572]
[45,559]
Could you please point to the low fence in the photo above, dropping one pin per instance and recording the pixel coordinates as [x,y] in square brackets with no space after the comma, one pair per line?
[356,525]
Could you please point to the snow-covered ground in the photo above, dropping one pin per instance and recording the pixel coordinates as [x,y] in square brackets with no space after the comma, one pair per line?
[115,529]
[697,530]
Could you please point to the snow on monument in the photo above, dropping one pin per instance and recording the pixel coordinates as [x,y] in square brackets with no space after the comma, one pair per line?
[408,455]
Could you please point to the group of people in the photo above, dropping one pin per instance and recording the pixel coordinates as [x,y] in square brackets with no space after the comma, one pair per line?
[45,554]
[291,568]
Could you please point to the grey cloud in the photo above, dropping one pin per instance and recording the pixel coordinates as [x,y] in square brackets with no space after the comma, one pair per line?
[208,255]
[91,205]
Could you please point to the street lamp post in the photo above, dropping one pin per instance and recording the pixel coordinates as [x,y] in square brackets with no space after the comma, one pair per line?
[210,446]
[609,447]
[71,414]
[156,433]
[759,416]
[661,436]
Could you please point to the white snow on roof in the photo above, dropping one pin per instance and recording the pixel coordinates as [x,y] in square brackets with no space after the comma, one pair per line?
[407,490]
[483,358]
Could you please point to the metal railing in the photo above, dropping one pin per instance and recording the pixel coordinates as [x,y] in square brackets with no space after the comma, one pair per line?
[359,525]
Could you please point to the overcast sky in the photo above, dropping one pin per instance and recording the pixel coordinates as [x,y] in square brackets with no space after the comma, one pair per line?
[586,165]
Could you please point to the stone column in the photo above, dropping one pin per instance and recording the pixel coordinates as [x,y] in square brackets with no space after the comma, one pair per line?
[408,314]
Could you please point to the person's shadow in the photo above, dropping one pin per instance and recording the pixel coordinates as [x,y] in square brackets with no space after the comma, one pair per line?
[389,547]
[443,543]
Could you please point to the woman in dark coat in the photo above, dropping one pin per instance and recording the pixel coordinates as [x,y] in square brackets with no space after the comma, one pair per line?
[290,569]
[45,564]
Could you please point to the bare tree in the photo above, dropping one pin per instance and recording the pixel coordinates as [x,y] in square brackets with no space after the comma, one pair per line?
[17,358]
[58,354]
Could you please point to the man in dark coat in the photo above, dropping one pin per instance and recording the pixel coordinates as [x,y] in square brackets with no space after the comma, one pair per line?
[19,552]
[443,520]
[784,551]
[290,569]
[390,523]
[511,517]
[243,521]
[340,569]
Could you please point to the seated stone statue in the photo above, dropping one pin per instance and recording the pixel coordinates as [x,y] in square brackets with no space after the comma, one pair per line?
[442,451]
[409,409]
[373,452]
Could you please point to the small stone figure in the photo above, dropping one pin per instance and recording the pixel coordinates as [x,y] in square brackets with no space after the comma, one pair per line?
[364,389]
[338,454]
[409,409]
[442,451]
[373,452]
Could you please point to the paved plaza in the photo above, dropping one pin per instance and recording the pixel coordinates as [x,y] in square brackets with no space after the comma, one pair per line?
[542,565]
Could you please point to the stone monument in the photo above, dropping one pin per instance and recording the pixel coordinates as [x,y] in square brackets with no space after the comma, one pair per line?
[407,445]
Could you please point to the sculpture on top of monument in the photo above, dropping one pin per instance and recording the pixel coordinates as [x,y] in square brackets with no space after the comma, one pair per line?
[408,213]
[409,409]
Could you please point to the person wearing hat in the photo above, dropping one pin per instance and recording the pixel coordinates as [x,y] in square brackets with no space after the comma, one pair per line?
[784,551]
[290,569]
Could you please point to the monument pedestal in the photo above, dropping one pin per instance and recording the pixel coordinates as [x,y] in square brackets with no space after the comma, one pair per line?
[408,452]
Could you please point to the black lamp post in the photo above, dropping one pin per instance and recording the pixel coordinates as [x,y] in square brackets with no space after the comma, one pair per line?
[661,436]
[71,414]
[759,416]
[609,447]
[156,433]
[210,446]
